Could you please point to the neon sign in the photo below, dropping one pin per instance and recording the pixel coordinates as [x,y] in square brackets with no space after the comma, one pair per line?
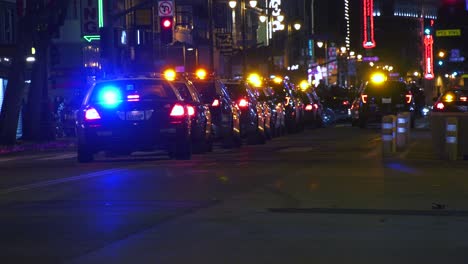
[369,41]
[429,58]
[92,19]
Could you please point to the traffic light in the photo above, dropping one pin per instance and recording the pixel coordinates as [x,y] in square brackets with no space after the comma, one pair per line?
[166,27]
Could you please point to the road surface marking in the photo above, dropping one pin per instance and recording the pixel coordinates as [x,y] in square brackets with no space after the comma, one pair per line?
[42,184]
[296,149]
[60,157]
[7,159]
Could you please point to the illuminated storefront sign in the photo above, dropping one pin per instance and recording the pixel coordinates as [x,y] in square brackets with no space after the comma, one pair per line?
[429,59]
[92,17]
[369,41]
[277,17]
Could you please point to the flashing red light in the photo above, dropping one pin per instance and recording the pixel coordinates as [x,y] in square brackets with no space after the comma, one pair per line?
[309,107]
[345,102]
[167,23]
[191,110]
[408,98]
[440,106]
[243,103]
[215,102]
[178,110]
[364,98]
[92,114]
[463,98]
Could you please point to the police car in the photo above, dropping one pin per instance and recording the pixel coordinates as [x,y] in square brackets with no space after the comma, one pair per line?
[124,115]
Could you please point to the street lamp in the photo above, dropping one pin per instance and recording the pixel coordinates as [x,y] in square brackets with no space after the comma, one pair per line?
[324,44]
[253,3]
[232,4]
[297,26]
[262,18]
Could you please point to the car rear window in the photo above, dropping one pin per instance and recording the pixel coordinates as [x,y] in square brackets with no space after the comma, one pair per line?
[279,89]
[146,89]
[207,91]
[236,89]
[386,89]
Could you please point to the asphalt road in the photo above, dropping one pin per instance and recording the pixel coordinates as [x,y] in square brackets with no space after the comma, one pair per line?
[321,196]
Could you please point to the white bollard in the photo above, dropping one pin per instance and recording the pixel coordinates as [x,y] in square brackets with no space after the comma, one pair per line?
[388,134]
[451,138]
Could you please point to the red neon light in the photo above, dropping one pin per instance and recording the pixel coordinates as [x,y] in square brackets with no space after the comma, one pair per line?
[369,41]
[428,57]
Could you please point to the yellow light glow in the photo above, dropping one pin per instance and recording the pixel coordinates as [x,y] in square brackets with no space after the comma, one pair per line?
[170,75]
[448,98]
[255,80]
[201,74]
[304,85]
[378,78]
[277,80]
[33,51]
[441,54]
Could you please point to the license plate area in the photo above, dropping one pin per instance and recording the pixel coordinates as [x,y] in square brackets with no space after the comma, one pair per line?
[135,115]
[386,100]
[463,108]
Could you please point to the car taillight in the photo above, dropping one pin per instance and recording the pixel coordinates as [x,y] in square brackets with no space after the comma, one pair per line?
[440,106]
[408,98]
[364,98]
[177,111]
[215,102]
[92,114]
[316,106]
[309,107]
[463,98]
[243,103]
[345,102]
[190,110]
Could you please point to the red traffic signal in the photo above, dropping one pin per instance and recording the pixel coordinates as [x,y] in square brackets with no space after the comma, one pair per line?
[166,23]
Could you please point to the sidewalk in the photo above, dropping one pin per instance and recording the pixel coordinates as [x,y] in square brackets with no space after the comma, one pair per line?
[22,146]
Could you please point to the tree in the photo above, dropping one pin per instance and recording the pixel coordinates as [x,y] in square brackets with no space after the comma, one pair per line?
[40,23]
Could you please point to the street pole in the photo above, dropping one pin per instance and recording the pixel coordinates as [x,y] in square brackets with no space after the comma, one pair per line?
[211,46]
[326,61]
[244,39]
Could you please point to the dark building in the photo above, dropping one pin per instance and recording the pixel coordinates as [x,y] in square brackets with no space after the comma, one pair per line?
[451,45]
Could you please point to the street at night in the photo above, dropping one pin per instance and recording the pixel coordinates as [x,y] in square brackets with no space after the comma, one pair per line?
[233,131]
[310,197]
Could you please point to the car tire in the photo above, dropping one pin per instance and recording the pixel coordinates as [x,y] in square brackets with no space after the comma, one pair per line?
[362,122]
[183,150]
[84,154]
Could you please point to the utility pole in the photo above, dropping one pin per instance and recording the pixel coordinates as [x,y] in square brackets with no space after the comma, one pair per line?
[210,26]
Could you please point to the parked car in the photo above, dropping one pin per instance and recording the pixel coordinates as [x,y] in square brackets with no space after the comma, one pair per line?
[339,102]
[453,100]
[313,108]
[252,117]
[277,110]
[225,113]
[284,91]
[130,114]
[382,98]
[202,138]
